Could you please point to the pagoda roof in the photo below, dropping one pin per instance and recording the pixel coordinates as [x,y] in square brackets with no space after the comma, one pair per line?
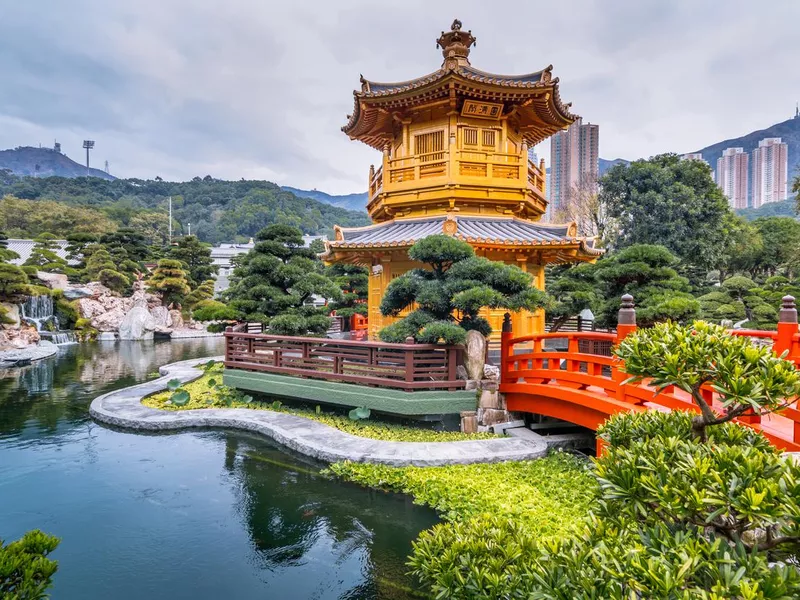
[478,230]
[533,97]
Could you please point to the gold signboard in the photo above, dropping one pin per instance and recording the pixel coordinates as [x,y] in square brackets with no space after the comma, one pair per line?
[481,110]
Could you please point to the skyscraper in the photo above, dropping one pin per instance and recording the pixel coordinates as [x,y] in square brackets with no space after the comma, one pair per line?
[573,162]
[733,176]
[770,172]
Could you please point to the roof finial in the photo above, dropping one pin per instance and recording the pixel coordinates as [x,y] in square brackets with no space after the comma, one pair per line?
[455,45]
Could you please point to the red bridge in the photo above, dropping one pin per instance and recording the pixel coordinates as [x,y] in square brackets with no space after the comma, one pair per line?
[585,384]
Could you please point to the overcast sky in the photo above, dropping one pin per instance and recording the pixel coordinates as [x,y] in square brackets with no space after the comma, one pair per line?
[258,89]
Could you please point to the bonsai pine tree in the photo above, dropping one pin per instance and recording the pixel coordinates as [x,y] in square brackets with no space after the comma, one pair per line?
[76,248]
[205,291]
[747,378]
[101,267]
[169,282]
[44,257]
[275,282]
[135,245]
[451,292]
[195,257]
[14,284]
[353,280]
[6,255]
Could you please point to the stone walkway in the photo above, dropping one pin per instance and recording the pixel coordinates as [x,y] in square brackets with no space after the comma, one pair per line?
[123,408]
[43,349]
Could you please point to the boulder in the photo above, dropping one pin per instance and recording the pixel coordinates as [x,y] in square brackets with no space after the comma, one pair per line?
[12,312]
[109,321]
[76,293]
[55,281]
[492,416]
[461,372]
[106,336]
[161,317]
[138,323]
[19,338]
[469,422]
[176,319]
[491,372]
[475,354]
[489,399]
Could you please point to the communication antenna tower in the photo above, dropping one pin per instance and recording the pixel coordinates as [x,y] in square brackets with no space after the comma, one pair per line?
[107,171]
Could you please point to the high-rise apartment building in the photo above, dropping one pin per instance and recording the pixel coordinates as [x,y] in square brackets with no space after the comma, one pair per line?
[770,172]
[573,161]
[733,176]
[693,156]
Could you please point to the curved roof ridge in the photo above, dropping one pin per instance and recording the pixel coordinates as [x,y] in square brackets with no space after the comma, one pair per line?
[370,86]
[534,77]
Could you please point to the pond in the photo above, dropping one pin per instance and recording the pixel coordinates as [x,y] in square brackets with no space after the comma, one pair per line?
[200,514]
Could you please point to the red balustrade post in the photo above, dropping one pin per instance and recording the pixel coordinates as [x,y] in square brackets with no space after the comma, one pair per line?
[506,349]
[626,324]
[787,327]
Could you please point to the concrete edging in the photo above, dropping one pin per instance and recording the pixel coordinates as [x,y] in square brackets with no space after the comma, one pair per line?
[123,408]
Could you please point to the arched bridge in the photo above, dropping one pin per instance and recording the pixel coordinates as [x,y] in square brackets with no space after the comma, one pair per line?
[584,384]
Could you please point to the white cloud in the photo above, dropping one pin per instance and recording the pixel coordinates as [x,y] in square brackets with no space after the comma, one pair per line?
[259,89]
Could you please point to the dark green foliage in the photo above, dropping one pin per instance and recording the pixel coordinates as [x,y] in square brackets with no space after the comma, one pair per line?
[66,311]
[739,298]
[114,280]
[14,284]
[101,267]
[195,257]
[76,248]
[669,202]
[450,293]
[274,283]
[169,282]
[203,292]
[6,255]
[646,272]
[353,281]
[127,244]
[44,257]
[219,211]
[26,572]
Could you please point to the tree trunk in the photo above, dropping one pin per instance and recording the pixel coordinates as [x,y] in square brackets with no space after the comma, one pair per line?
[699,428]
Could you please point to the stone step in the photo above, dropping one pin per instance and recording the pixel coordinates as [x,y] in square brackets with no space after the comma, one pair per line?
[584,439]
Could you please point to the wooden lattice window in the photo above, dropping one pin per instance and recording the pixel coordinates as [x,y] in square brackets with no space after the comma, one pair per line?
[431,145]
[489,138]
[470,137]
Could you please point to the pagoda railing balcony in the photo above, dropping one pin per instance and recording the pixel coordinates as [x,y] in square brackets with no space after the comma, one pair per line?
[476,167]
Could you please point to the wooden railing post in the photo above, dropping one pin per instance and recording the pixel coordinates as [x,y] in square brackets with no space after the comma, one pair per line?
[228,331]
[787,327]
[506,350]
[409,356]
[626,324]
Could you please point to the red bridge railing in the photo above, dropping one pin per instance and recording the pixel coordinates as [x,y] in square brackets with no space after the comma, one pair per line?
[585,384]
[408,366]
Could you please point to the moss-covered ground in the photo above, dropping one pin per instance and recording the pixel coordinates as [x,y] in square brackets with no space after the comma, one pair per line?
[204,392]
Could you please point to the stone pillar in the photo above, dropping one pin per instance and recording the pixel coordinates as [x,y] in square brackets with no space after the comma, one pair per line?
[787,326]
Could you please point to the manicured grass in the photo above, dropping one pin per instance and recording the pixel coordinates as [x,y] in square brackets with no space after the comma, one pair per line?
[203,396]
[548,497]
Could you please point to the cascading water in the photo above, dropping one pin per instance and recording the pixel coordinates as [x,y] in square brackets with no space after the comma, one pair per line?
[38,311]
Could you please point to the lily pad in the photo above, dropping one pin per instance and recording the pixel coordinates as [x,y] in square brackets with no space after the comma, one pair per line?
[180,398]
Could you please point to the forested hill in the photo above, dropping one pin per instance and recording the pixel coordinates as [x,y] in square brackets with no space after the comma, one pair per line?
[44,162]
[219,211]
[349,201]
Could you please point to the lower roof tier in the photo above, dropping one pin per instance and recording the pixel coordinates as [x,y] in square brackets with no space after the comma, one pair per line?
[479,231]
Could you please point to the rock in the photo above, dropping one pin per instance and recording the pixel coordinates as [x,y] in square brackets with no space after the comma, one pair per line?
[55,281]
[489,384]
[176,319]
[161,317]
[12,312]
[109,321]
[21,337]
[469,422]
[138,323]
[491,372]
[106,336]
[461,372]
[492,416]
[489,399]
[76,293]
[475,354]
[471,384]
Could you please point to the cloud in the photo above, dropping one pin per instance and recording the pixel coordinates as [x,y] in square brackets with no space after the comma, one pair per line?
[257,89]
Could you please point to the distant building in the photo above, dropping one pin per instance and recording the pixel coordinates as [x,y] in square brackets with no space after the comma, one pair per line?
[694,156]
[770,172]
[733,176]
[222,256]
[25,247]
[574,157]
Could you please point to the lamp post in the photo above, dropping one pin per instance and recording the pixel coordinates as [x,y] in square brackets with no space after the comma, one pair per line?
[88,144]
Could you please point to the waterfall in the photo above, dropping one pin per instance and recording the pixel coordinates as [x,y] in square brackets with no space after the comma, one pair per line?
[38,310]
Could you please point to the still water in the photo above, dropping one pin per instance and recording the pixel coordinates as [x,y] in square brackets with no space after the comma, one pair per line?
[202,514]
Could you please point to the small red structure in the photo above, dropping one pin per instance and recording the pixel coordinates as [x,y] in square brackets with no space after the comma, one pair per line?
[592,386]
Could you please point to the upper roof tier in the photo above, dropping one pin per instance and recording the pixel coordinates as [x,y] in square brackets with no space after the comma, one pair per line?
[533,99]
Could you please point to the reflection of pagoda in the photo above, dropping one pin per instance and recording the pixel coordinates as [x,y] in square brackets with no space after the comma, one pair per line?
[455,161]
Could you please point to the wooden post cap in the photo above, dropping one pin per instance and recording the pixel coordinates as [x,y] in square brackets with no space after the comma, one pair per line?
[788,312]
[627,313]
[410,340]
[507,323]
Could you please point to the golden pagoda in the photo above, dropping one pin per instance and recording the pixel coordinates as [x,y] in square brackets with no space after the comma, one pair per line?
[455,161]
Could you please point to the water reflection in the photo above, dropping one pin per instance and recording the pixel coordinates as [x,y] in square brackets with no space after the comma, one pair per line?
[191,515]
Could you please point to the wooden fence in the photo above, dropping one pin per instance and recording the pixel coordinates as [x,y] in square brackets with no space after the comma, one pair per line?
[408,366]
